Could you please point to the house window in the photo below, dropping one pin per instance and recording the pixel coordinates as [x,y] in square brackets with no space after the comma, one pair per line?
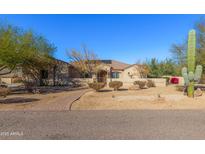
[44,74]
[115,74]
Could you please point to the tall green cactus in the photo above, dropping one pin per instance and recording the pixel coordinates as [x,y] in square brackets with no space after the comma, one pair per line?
[191,75]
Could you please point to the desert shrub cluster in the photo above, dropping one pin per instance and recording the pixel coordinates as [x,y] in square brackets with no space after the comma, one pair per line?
[180,88]
[115,84]
[97,85]
[30,86]
[167,80]
[4,91]
[141,84]
[145,84]
[150,83]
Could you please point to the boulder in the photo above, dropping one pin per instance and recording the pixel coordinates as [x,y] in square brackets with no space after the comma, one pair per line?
[198,92]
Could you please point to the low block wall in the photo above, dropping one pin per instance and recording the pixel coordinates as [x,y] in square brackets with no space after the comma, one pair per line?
[83,81]
[159,82]
[6,80]
[181,81]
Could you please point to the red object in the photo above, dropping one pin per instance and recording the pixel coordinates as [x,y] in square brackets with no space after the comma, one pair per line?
[174,80]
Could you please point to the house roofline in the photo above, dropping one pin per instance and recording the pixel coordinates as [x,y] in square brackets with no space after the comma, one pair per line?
[130,66]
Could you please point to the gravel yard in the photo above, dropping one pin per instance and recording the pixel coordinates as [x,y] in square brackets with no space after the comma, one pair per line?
[152,98]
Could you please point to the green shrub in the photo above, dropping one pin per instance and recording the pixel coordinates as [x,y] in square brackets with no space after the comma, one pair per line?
[115,84]
[4,91]
[97,85]
[150,83]
[140,83]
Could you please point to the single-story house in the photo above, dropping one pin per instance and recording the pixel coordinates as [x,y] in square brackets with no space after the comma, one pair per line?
[112,70]
[63,73]
[115,70]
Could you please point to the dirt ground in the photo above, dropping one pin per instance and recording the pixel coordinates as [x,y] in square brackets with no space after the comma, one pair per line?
[56,101]
[152,98]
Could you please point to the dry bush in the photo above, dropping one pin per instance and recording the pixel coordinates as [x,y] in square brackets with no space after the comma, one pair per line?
[140,83]
[30,86]
[17,80]
[97,85]
[167,80]
[202,80]
[150,83]
[4,91]
[115,84]
[180,88]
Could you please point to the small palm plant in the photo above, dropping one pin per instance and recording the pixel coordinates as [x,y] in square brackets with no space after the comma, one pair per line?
[190,74]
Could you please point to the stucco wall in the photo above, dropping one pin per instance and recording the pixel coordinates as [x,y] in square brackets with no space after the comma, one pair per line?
[6,80]
[130,73]
[181,81]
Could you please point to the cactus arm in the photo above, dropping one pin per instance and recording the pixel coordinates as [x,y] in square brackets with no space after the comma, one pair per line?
[191,76]
[198,73]
[185,76]
[186,79]
[184,70]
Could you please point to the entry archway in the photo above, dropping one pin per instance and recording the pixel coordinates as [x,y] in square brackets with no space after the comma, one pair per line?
[102,76]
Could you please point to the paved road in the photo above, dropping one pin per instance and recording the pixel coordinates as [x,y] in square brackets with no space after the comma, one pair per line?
[103,125]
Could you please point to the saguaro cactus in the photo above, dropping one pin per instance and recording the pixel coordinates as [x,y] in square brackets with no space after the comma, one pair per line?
[191,75]
[191,52]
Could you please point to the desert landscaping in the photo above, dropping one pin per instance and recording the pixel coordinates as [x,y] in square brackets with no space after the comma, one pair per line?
[152,98]
[102,92]
[110,84]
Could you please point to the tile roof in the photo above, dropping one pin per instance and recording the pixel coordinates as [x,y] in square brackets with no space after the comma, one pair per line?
[116,64]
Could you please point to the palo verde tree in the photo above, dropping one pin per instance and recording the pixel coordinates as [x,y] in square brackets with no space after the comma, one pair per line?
[9,49]
[24,49]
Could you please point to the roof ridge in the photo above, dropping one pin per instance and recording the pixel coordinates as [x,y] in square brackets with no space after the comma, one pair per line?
[121,62]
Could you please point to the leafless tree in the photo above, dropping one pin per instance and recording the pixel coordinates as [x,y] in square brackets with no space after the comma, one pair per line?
[142,68]
[85,61]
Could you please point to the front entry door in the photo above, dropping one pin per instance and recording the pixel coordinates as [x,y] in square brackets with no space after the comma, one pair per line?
[102,76]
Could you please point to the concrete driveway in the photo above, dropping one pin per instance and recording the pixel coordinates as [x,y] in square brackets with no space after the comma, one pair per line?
[138,124]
